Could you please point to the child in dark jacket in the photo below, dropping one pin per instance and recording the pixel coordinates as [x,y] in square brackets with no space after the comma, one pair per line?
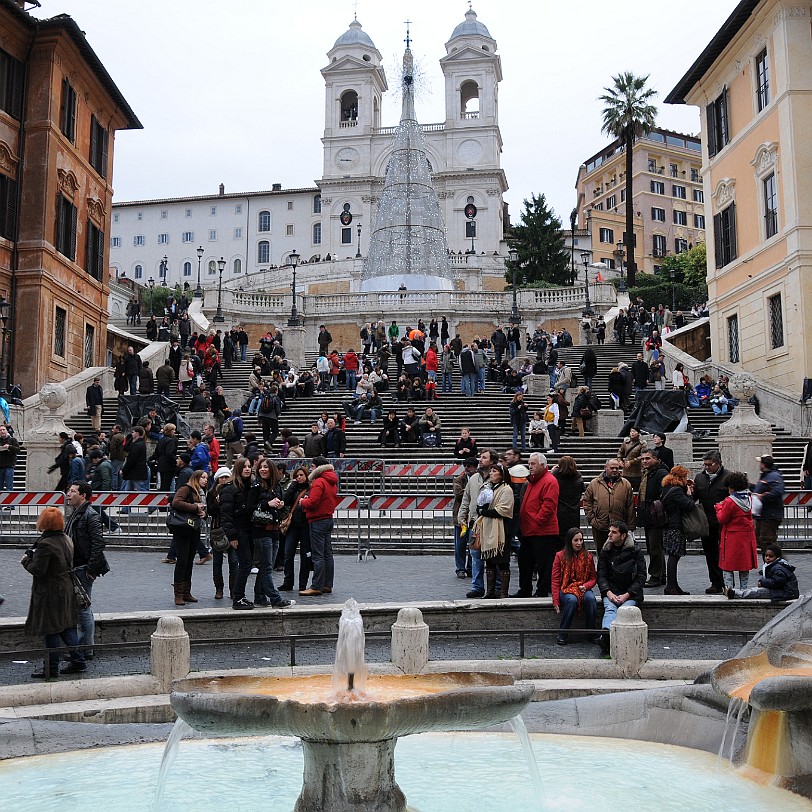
[777,582]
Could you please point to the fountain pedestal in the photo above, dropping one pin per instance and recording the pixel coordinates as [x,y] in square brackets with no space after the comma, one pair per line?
[357,777]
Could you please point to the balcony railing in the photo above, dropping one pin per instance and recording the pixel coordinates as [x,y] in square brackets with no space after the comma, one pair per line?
[418,303]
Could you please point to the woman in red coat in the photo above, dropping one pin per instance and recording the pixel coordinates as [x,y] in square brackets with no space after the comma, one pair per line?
[737,536]
[574,577]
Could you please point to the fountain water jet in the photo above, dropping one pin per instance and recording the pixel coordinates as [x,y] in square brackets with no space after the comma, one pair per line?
[348,735]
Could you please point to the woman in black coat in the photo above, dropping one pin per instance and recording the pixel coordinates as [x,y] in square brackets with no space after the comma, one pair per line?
[677,498]
[570,490]
[616,387]
[164,457]
[52,611]
[389,433]
[298,532]
[235,520]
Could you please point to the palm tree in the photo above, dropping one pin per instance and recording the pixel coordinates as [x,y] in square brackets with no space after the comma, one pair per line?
[628,115]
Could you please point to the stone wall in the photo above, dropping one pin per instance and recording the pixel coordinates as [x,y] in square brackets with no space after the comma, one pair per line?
[696,342]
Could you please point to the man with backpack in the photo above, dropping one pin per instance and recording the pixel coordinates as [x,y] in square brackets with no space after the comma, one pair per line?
[231,432]
[651,514]
[270,407]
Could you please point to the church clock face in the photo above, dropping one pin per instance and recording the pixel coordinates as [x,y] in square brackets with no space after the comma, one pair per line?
[346,159]
[469,152]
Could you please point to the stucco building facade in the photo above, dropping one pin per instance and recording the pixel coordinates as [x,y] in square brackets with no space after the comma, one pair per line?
[59,111]
[753,84]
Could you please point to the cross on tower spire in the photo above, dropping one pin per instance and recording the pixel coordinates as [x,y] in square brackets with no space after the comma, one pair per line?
[355,10]
[408,39]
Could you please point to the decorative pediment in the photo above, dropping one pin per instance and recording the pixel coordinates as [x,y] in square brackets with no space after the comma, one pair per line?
[8,160]
[68,184]
[725,192]
[95,211]
[766,158]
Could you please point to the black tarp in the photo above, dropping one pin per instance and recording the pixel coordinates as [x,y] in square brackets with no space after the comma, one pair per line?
[657,410]
[131,408]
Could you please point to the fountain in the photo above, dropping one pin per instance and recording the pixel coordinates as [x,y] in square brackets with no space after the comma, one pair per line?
[779,734]
[349,722]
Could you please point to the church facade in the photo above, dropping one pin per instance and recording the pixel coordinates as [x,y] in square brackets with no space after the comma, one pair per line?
[172,240]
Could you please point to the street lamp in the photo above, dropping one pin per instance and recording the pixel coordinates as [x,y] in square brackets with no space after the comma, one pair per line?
[151,283]
[198,289]
[672,273]
[513,256]
[164,270]
[620,254]
[573,224]
[588,311]
[218,316]
[293,321]
[4,319]
[358,252]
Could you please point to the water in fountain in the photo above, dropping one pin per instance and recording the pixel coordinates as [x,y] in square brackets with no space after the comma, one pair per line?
[407,245]
[179,730]
[350,669]
[518,726]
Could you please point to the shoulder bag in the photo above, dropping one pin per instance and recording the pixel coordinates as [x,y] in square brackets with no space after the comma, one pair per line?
[695,524]
[218,540]
[82,598]
[176,520]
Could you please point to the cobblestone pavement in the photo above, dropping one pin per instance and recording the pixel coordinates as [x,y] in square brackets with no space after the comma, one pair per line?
[139,581]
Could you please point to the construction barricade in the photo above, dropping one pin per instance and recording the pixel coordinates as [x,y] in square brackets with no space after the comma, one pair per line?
[19,510]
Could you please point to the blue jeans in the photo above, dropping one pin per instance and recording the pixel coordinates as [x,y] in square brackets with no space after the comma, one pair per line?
[139,485]
[432,375]
[477,572]
[716,410]
[520,430]
[448,382]
[7,479]
[266,548]
[243,352]
[134,384]
[481,379]
[569,603]
[85,628]
[352,379]
[468,384]
[512,349]
[321,547]
[70,638]
[116,483]
[610,611]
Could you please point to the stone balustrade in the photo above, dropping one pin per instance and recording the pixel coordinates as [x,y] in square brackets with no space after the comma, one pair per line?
[365,305]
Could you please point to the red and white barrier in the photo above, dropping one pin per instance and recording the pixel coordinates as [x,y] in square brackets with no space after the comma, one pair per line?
[411,502]
[433,469]
[133,499]
[32,498]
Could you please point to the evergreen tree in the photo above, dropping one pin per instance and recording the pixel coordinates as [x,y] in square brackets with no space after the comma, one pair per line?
[540,242]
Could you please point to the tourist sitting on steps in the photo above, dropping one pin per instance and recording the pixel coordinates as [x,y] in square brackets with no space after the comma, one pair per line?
[574,577]
[777,582]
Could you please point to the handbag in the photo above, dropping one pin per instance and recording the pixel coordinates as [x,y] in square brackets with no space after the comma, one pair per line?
[82,598]
[264,516]
[287,519]
[175,520]
[218,540]
[695,524]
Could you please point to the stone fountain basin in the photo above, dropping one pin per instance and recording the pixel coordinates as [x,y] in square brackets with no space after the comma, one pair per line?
[306,706]
[764,685]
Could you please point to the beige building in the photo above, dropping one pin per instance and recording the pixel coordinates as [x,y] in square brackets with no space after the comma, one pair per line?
[668,198]
[753,83]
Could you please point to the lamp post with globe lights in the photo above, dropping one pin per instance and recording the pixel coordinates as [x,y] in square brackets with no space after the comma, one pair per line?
[588,311]
[198,289]
[513,256]
[219,318]
[293,321]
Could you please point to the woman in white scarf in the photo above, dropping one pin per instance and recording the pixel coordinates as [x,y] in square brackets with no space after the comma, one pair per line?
[494,505]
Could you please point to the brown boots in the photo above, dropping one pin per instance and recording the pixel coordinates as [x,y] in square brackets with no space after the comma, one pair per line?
[504,578]
[183,593]
[490,584]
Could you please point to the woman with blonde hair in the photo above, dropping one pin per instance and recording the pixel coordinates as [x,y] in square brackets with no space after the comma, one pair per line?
[677,497]
[494,506]
[188,503]
[52,611]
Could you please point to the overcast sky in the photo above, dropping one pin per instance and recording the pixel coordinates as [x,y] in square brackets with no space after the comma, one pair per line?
[230,92]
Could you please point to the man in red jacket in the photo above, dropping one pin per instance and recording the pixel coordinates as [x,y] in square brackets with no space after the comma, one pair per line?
[538,520]
[351,368]
[319,504]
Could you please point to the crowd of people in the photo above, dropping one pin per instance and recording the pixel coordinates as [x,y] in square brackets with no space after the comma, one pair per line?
[502,506]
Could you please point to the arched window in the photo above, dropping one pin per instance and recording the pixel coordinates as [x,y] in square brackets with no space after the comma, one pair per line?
[139,271]
[317,204]
[349,106]
[264,221]
[263,252]
[237,266]
[212,267]
[469,100]
[187,268]
[316,233]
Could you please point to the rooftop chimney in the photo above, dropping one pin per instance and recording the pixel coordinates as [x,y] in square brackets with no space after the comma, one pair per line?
[277,187]
[222,189]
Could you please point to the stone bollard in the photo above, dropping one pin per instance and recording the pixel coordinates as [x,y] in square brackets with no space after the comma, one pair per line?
[608,422]
[169,651]
[410,641]
[629,641]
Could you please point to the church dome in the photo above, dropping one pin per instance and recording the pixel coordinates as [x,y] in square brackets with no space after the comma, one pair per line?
[471,27]
[355,35]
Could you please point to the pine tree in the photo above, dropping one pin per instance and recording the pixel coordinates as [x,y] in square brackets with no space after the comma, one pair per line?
[540,242]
